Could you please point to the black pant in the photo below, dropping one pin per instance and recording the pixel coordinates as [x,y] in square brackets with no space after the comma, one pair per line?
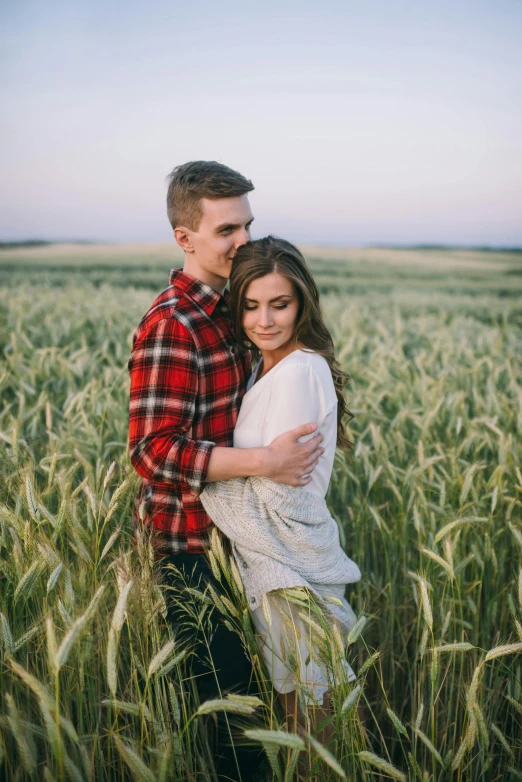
[227,670]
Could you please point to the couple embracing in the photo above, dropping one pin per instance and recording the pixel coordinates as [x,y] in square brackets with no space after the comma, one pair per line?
[236,409]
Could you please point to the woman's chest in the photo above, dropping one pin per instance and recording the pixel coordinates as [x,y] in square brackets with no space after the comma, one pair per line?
[251,422]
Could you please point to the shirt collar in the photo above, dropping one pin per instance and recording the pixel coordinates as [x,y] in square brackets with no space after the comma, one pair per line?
[199,292]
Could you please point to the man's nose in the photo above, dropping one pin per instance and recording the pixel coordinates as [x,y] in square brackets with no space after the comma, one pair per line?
[242,237]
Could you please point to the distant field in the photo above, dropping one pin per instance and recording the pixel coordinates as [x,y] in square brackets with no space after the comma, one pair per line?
[454,272]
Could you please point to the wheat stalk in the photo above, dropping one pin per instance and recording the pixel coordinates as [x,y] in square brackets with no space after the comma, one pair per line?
[382,765]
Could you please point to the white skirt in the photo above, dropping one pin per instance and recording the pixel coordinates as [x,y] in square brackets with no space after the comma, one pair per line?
[290,652]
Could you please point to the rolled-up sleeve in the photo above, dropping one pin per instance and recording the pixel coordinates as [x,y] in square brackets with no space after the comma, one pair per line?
[163,389]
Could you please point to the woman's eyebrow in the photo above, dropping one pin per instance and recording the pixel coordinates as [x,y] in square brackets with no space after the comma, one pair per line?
[276,298]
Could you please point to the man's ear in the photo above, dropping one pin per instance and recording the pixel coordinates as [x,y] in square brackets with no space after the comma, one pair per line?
[183,237]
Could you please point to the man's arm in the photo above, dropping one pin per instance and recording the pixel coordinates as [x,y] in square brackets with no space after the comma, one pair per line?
[295,398]
[164,387]
[285,460]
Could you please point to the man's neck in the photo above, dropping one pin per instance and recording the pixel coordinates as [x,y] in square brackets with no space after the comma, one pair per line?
[207,278]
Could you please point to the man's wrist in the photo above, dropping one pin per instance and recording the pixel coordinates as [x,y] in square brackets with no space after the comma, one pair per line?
[262,462]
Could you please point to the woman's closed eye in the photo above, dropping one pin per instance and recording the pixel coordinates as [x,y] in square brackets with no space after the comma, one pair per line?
[251,307]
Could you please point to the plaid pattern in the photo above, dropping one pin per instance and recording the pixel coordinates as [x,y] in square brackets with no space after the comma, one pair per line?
[187,380]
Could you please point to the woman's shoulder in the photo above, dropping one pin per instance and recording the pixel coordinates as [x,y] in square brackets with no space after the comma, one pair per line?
[306,366]
[307,359]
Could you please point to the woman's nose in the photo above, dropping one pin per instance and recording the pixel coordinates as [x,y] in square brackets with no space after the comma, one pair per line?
[265,318]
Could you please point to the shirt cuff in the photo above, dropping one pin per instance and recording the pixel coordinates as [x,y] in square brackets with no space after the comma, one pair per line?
[193,466]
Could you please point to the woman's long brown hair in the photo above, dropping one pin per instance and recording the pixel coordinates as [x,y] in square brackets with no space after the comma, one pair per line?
[265,256]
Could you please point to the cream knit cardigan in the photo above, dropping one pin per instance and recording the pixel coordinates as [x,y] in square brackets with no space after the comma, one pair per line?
[282,537]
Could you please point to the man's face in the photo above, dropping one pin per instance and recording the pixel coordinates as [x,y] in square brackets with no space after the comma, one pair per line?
[224,226]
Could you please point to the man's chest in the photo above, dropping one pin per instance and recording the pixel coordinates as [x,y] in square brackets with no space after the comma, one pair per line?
[222,374]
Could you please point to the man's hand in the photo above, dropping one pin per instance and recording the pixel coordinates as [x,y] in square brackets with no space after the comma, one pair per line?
[285,460]
[291,462]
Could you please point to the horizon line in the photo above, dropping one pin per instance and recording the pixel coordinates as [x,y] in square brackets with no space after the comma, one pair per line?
[14,244]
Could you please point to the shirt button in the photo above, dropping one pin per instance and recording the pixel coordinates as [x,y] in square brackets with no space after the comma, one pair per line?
[252,600]
[245,565]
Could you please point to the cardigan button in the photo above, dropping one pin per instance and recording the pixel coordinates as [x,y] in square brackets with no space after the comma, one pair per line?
[252,600]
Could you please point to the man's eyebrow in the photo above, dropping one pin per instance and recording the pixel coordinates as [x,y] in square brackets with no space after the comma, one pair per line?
[233,225]
[270,301]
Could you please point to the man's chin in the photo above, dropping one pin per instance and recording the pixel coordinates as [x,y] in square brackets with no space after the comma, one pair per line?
[227,270]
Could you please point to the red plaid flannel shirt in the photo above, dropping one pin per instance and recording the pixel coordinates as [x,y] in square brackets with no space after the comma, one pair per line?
[187,380]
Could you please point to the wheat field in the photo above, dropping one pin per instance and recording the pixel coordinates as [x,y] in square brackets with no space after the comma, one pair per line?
[94,685]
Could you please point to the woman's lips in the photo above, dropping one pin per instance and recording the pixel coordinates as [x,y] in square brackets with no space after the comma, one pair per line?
[265,336]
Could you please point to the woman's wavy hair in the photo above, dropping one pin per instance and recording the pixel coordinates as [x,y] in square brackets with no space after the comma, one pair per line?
[264,256]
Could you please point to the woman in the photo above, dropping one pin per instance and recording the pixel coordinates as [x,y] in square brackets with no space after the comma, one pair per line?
[283,536]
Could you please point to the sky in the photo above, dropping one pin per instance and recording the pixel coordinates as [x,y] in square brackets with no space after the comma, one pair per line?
[358,122]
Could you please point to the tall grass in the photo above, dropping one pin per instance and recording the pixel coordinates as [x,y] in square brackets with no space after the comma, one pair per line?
[93,681]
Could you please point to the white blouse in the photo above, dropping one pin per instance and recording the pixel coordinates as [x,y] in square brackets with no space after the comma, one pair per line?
[298,390]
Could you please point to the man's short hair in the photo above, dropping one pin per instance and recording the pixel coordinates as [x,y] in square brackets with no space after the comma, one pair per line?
[191,182]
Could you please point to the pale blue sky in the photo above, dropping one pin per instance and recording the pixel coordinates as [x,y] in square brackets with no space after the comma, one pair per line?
[358,122]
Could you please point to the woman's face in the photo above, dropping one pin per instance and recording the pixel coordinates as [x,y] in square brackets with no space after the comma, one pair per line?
[270,311]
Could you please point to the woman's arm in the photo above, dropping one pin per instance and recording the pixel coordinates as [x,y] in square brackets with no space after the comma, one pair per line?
[296,396]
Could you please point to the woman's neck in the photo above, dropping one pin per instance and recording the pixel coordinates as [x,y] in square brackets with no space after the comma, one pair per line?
[271,358]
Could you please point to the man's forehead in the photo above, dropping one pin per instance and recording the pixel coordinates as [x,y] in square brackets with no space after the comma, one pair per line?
[226,210]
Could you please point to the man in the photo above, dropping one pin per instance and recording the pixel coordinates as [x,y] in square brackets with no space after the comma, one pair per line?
[187,381]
